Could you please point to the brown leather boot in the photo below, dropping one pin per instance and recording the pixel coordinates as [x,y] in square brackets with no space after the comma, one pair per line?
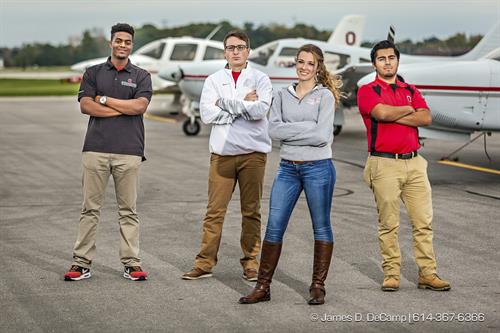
[322,258]
[391,283]
[268,261]
[433,282]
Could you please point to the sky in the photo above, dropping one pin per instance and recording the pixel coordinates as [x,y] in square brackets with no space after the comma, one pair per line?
[54,21]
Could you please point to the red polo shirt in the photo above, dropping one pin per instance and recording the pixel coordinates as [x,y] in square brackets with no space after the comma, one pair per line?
[389,137]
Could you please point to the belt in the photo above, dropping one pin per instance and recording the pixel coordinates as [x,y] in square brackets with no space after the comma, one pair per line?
[406,156]
[294,162]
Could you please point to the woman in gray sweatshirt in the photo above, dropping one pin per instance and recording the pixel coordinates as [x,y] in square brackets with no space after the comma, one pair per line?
[302,120]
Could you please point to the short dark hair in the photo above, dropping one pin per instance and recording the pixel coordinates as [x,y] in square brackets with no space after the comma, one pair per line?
[238,34]
[122,27]
[384,44]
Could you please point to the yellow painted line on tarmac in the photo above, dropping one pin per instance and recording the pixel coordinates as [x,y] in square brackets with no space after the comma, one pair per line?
[470,167]
[150,116]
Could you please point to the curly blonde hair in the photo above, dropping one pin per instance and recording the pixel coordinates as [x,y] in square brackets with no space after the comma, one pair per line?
[323,76]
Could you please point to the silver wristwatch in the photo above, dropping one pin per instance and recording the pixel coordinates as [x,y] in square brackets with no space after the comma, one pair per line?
[102,100]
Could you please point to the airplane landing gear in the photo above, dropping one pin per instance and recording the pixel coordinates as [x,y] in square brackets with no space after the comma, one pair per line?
[483,134]
[191,126]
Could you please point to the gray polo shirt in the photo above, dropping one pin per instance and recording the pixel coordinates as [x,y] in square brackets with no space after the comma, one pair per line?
[123,134]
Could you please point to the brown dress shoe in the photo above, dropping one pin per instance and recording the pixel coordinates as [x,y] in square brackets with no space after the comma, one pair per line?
[195,274]
[250,274]
[268,261]
[433,282]
[322,258]
[391,283]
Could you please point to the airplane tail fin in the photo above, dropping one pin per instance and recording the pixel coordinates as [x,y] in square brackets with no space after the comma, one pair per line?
[488,43]
[348,31]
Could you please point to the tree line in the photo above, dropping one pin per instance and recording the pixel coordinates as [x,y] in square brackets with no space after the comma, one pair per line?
[93,45]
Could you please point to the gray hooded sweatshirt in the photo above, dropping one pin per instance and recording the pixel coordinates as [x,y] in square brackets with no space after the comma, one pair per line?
[304,126]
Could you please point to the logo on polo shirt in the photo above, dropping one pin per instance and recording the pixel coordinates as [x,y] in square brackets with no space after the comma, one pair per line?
[129,83]
[408,97]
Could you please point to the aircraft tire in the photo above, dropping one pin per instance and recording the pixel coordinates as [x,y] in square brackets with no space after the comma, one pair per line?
[191,129]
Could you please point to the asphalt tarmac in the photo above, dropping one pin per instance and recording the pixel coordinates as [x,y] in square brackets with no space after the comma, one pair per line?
[40,199]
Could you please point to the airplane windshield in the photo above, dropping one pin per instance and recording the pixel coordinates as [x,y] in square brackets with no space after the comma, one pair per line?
[184,52]
[262,54]
[334,61]
[213,53]
[154,51]
[286,58]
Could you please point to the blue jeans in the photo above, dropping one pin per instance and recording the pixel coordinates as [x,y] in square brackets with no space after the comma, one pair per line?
[317,179]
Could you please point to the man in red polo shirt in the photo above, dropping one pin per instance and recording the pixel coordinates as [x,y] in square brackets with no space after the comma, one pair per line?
[392,110]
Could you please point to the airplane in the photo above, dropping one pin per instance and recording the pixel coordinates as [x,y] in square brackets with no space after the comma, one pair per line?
[165,54]
[352,62]
[276,57]
[463,96]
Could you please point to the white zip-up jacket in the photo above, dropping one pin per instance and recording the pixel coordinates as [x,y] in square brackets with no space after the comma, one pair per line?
[241,136]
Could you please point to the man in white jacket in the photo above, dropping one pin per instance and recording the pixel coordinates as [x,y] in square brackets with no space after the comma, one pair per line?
[235,100]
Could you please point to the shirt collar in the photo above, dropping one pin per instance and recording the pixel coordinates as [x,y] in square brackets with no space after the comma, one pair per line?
[229,69]
[110,65]
[386,85]
[292,89]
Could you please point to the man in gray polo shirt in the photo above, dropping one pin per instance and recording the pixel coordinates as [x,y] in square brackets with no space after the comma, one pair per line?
[115,95]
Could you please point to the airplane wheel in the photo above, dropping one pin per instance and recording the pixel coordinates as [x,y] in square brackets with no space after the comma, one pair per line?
[337,129]
[191,129]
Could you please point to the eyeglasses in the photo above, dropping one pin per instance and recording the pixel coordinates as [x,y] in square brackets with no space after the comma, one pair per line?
[231,48]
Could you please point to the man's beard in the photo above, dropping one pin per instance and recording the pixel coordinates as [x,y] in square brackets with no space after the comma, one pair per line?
[387,75]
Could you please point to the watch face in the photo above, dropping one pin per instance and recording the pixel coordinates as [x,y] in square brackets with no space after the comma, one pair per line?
[103,100]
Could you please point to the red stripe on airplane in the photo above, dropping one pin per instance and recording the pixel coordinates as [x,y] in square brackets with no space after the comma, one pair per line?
[193,76]
[463,88]
[427,87]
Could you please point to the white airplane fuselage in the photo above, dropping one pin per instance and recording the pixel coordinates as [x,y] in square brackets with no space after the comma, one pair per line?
[277,61]
[463,96]
[166,54]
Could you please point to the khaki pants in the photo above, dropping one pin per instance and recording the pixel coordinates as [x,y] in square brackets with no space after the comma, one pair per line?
[225,172]
[97,167]
[393,180]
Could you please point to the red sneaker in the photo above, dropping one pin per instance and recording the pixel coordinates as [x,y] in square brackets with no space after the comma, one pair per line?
[77,273]
[135,273]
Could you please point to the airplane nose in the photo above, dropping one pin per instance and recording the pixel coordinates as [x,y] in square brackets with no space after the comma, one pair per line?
[174,75]
[79,67]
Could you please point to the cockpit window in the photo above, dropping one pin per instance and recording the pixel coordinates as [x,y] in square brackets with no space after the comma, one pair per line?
[334,61]
[286,57]
[213,53]
[184,52]
[262,54]
[154,51]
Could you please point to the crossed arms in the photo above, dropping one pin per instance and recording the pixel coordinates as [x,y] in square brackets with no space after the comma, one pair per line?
[114,106]
[404,115]
[216,109]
